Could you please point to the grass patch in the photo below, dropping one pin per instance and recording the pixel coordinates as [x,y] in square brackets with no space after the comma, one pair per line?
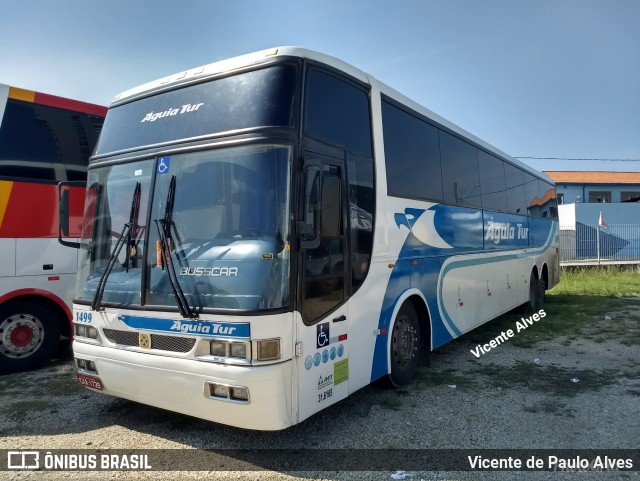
[550,379]
[565,316]
[20,410]
[391,400]
[623,328]
[446,377]
[603,281]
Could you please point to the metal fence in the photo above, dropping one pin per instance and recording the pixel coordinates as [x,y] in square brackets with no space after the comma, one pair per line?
[593,245]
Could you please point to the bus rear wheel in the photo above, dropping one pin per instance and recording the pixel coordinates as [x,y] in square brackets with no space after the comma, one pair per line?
[29,335]
[405,346]
[534,293]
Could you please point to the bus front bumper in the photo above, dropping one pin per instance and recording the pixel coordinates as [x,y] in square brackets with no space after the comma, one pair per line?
[184,386]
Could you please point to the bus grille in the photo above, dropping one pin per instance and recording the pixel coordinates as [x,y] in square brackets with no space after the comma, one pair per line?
[158,341]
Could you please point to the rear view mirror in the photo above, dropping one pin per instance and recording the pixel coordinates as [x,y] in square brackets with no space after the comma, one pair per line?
[64,212]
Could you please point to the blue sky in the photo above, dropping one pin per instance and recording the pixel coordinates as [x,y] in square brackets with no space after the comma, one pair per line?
[536,78]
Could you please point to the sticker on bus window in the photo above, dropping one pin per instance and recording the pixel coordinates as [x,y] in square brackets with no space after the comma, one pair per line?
[323,335]
[163,164]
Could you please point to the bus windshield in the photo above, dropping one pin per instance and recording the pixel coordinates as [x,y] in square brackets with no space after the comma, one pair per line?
[218,219]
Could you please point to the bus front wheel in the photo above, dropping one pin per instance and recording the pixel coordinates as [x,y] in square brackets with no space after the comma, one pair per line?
[405,346]
[29,335]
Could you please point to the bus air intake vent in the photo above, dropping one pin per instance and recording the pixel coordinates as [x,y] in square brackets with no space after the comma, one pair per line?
[158,341]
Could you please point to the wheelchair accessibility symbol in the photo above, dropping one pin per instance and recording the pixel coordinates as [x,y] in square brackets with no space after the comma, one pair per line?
[163,165]
[322,331]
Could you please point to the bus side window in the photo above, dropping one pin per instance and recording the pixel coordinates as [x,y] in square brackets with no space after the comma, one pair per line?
[25,137]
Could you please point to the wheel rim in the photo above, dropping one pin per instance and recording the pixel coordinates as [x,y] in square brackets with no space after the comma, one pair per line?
[404,342]
[20,335]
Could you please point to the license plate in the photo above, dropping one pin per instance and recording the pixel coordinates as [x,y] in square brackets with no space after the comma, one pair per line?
[89,381]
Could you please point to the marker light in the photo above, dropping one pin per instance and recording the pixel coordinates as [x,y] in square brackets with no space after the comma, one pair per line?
[268,350]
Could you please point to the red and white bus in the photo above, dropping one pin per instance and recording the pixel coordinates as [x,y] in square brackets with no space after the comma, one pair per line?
[44,140]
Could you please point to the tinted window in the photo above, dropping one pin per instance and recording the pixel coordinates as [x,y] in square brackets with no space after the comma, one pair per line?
[516,194]
[460,178]
[412,153]
[46,143]
[338,112]
[253,99]
[600,196]
[629,196]
[492,184]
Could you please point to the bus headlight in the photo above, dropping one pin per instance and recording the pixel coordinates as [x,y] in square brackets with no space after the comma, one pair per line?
[89,332]
[268,350]
[229,349]
[218,348]
[238,350]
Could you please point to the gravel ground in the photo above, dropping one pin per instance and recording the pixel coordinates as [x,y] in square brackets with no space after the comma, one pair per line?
[511,397]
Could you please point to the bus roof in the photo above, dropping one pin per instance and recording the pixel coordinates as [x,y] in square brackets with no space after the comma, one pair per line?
[218,68]
[51,100]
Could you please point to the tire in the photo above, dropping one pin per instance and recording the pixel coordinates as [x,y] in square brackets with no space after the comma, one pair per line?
[542,292]
[534,293]
[29,335]
[405,346]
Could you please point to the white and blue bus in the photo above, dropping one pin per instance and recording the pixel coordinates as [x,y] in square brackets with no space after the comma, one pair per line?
[265,235]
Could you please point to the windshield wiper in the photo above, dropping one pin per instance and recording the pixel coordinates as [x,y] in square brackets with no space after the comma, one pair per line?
[164,234]
[133,225]
[124,235]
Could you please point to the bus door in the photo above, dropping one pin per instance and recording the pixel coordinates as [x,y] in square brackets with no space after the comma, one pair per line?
[323,366]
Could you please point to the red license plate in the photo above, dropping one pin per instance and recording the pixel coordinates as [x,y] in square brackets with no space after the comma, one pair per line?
[89,381]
